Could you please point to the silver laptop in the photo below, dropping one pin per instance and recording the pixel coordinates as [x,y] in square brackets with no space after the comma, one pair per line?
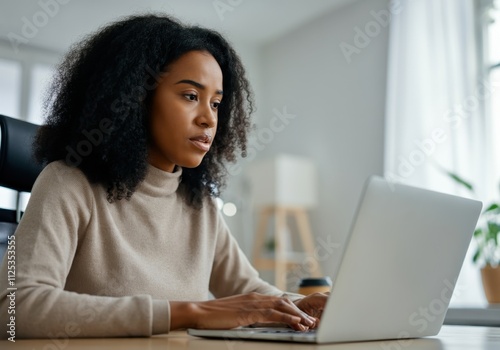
[398,271]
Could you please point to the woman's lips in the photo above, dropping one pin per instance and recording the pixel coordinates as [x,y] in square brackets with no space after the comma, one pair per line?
[202,142]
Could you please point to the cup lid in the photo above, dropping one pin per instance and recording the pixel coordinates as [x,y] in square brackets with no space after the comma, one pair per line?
[315,282]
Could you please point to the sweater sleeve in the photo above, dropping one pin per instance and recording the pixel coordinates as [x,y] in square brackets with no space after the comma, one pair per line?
[46,240]
[232,273]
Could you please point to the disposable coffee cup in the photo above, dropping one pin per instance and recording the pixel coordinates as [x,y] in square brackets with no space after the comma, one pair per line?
[315,285]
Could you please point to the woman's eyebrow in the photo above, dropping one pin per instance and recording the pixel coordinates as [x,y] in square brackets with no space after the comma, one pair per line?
[196,84]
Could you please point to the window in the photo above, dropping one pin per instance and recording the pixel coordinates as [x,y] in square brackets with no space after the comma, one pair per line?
[24,80]
[41,75]
[489,60]
[492,72]
[441,80]
[10,87]
[10,96]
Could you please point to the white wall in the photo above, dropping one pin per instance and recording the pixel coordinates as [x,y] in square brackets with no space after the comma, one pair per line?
[339,108]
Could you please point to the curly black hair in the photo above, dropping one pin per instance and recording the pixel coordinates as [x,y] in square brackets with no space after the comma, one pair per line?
[99,102]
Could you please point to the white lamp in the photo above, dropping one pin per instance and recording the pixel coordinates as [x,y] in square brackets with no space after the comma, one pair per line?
[284,180]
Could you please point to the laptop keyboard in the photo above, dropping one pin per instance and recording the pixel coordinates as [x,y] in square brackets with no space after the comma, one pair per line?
[286,331]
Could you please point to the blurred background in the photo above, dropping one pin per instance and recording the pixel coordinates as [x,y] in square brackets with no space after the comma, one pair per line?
[403,89]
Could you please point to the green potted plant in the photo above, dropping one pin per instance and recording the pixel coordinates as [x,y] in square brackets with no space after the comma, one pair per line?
[487,237]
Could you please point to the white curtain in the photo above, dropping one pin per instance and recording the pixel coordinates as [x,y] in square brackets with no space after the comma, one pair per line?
[435,108]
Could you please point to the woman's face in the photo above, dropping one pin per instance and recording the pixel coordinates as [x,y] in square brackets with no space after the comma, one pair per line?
[184,111]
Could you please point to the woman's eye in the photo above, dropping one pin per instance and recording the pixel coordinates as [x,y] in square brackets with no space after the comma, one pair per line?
[215,105]
[191,97]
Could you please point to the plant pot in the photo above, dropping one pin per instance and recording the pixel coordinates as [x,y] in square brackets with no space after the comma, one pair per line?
[491,283]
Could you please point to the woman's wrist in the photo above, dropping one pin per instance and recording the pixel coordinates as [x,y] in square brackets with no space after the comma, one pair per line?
[182,315]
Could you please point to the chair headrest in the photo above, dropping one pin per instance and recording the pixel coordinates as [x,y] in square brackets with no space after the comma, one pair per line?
[18,167]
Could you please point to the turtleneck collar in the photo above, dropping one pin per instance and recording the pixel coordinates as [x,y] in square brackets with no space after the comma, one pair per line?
[160,183]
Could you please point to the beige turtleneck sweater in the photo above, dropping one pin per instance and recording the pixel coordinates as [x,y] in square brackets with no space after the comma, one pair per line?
[88,268]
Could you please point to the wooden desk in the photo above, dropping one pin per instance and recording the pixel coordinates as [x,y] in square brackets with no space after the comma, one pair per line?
[450,338]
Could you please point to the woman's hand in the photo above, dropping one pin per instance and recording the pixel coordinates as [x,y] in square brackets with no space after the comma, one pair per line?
[239,310]
[313,305]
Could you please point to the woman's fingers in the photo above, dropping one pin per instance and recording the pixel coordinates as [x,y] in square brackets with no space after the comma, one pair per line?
[258,301]
[313,304]
[267,315]
[286,305]
[273,309]
[243,310]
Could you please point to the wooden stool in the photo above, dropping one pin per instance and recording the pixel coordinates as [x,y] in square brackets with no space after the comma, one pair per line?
[280,263]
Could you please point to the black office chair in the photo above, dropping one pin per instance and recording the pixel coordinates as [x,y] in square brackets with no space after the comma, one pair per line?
[18,169]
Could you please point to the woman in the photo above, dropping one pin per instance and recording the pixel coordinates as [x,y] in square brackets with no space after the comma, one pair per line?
[121,236]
